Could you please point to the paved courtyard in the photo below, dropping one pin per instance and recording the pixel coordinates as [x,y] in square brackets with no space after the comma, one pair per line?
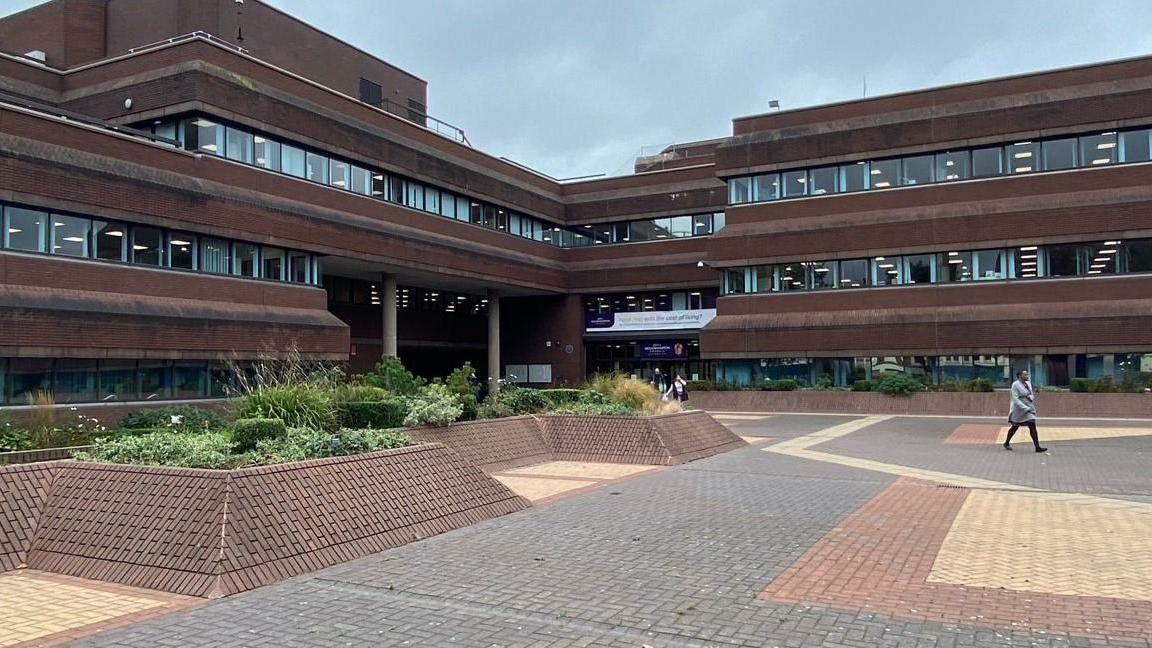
[836,531]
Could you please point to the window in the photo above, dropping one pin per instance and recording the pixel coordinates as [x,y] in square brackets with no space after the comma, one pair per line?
[1138,255]
[214,256]
[795,183]
[854,177]
[70,235]
[1060,154]
[203,135]
[413,194]
[952,165]
[25,229]
[316,167]
[821,275]
[733,281]
[1023,157]
[1134,146]
[117,380]
[791,276]
[189,380]
[854,274]
[109,240]
[1028,262]
[273,263]
[917,170]
[147,246]
[620,233]
[155,380]
[267,153]
[701,224]
[27,376]
[338,174]
[680,226]
[447,204]
[361,181]
[293,161]
[298,267]
[822,181]
[247,260]
[1065,260]
[886,271]
[1097,150]
[379,186]
[718,219]
[239,146]
[955,266]
[182,251]
[987,162]
[739,190]
[1103,258]
[918,269]
[764,280]
[371,93]
[766,187]
[75,381]
[432,200]
[885,173]
[991,264]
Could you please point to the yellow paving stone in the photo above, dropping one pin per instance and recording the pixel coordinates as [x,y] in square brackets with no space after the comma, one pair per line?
[1056,543]
[32,607]
[581,470]
[536,489]
[1055,433]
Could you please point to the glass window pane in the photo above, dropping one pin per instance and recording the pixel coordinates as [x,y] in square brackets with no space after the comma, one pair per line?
[791,277]
[147,246]
[298,264]
[1102,258]
[919,268]
[884,174]
[182,251]
[739,190]
[734,281]
[766,187]
[1065,260]
[822,181]
[338,174]
[987,162]
[238,145]
[854,274]
[1138,254]
[463,209]
[203,135]
[316,167]
[447,204]
[361,181]
[718,219]
[247,263]
[680,226]
[954,266]
[215,256]
[189,380]
[395,189]
[155,380]
[917,170]
[701,224]
[764,279]
[1060,154]
[795,183]
[620,233]
[413,194]
[70,235]
[267,153]
[25,229]
[886,271]
[1098,150]
[293,161]
[75,381]
[379,186]
[821,275]
[1134,146]
[854,177]
[1027,262]
[432,200]
[991,264]
[1023,157]
[27,376]
[118,380]
[273,263]
[953,165]
[109,240]
[659,227]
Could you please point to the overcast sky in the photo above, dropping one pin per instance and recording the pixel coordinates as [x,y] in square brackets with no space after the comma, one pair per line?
[583,86]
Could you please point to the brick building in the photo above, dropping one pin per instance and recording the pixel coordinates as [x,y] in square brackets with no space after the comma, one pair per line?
[184,186]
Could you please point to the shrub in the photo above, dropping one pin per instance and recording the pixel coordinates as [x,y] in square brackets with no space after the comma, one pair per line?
[522,400]
[1106,385]
[435,405]
[700,385]
[1082,385]
[897,384]
[301,405]
[493,408]
[590,397]
[825,382]
[13,438]
[388,413]
[785,384]
[604,383]
[177,418]
[359,394]
[981,385]
[469,408]
[300,444]
[862,386]
[596,409]
[177,449]
[634,393]
[246,433]
[1135,381]
[562,397]
[390,374]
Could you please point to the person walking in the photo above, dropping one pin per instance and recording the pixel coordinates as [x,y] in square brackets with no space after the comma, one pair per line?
[678,390]
[658,380]
[1023,411]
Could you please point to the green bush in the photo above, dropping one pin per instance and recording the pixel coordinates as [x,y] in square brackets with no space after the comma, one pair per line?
[1135,381]
[1106,385]
[897,384]
[13,438]
[596,409]
[300,406]
[391,375]
[359,394]
[469,408]
[246,433]
[591,397]
[700,385]
[786,384]
[493,408]
[176,449]
[981,385]
[862,386]
[435,405]
[177,418]
[1082,385]
[562,397]
[825,382]
[522,400]
[388,413]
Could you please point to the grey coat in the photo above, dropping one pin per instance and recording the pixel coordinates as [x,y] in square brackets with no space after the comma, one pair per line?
[1023,403]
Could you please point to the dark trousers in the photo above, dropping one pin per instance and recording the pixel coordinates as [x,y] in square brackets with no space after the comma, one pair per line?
[1031,430]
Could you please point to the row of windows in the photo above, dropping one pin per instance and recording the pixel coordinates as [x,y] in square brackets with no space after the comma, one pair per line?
[344,290]
[33,230]
[1024,262]
[1091,150]
[206,136]
[654,301]
[88,381]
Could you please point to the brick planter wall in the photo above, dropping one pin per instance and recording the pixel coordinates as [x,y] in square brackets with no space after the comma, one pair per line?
[494,445]
[1049,404]
[666,440]
[216,532]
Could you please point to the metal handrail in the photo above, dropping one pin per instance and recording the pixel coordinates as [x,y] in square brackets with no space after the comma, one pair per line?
[194,35]
[454,132]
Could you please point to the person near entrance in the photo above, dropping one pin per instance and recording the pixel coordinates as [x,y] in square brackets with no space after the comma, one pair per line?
[659,381]
[1023,411]
[678,390]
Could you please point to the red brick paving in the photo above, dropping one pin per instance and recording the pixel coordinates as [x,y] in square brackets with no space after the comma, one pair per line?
[977,433]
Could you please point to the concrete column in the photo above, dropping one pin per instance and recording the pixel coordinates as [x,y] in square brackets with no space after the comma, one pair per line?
[388,303]
[493,342]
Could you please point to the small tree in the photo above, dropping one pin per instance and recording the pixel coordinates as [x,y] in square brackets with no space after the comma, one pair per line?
[391,375]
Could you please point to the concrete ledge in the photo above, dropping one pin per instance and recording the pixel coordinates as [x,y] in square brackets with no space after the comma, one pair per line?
[1049,404]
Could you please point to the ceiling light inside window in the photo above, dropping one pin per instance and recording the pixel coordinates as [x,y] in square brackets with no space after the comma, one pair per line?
[177,242]
[1023,169]
[73,239]
[1106,145]
[209,147]
[14,230]
[1102,161]
[1019,155]
[1028,248]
